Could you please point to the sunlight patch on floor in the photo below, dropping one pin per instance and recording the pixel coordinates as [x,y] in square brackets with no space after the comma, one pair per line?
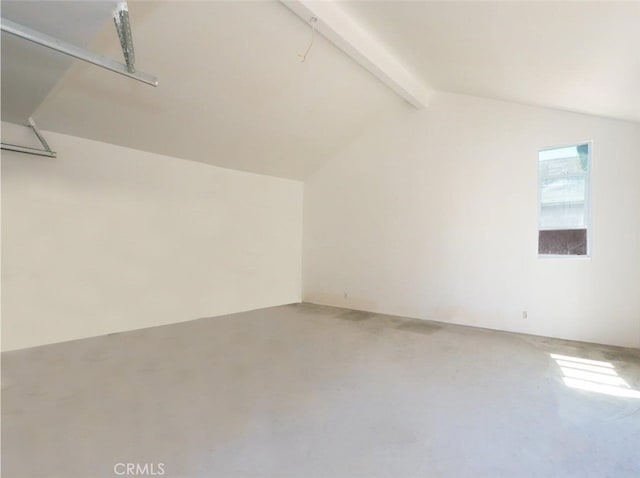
[593,376]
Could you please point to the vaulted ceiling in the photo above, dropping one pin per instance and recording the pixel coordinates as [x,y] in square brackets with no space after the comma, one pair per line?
[578,56]
[29,71]
[233,91]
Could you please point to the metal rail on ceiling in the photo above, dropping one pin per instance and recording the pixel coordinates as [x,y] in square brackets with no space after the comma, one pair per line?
[46,151]
[123,28]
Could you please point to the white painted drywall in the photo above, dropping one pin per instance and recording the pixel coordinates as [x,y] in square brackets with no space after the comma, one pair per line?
[106,239]
[576,56]
[233,69]
[433,215]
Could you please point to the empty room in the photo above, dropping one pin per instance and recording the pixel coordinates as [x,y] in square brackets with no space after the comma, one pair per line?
[320,239]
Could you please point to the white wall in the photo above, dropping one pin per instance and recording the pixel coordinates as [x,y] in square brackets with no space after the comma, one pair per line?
[433,215]
[105,239]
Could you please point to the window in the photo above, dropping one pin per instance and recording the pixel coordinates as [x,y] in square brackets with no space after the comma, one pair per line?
[563,201]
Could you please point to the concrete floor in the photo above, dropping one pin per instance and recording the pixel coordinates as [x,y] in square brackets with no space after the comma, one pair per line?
[310,391]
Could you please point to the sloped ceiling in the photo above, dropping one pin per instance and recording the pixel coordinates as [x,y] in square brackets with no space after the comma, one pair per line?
[578,55]
[29,72]
[234,93]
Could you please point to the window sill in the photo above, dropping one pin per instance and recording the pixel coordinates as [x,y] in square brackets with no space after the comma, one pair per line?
[563,256]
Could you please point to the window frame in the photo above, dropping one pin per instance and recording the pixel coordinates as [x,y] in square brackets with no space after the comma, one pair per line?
[588,205]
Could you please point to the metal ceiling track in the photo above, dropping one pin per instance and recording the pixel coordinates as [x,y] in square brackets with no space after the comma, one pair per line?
[123,27]
[46,151]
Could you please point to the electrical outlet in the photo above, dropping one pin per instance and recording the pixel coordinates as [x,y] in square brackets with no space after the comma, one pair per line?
[524,314]
[345,295]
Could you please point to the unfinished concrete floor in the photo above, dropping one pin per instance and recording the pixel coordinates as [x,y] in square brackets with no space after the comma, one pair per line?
[310,391]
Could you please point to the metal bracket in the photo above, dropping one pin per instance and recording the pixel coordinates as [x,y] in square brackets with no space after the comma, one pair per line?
[123,27]
[24,149]
[121,19]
